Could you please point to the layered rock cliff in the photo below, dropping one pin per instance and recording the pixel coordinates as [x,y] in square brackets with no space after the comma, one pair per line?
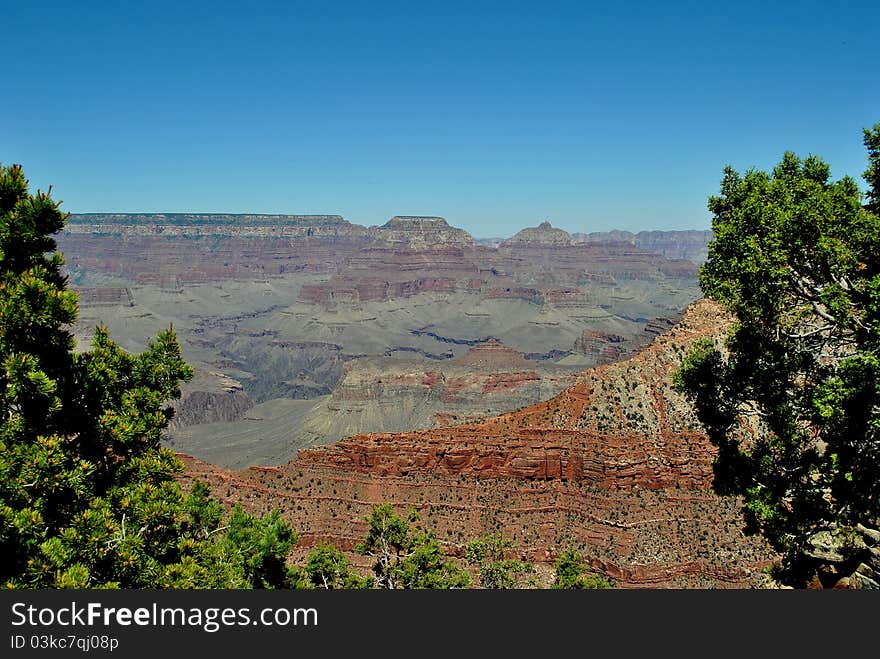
[210,397]
[398,394]
[615,465]
[192,225]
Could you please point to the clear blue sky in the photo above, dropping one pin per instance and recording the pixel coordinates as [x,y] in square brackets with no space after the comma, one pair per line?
[495,115]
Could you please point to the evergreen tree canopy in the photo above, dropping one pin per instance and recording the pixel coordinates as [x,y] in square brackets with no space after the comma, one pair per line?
[792,397]
[494,570]
[405,556]
[88,496]
[328,568]
[572,574]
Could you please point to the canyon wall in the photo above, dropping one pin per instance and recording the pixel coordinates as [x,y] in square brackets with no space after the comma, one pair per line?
[615,465]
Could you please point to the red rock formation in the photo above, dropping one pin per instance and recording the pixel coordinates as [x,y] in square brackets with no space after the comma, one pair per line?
[603,346]
[615,465]
[404,394]
[491,354]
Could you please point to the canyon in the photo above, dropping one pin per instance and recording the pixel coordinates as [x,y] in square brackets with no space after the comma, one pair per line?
[615,466]
[520,386]
[304,329]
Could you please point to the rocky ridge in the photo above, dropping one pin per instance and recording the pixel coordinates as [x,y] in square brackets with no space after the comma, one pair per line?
[212,224]
[691,245]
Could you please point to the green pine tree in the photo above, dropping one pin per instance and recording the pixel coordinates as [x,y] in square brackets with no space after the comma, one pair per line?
[494,570]
[792,397]
[405,556]
[572,574]
[88,496]
[328,568]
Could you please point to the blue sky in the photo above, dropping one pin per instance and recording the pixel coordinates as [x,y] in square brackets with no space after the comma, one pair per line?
[495,115]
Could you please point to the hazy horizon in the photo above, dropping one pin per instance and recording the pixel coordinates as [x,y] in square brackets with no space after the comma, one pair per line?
[513,230]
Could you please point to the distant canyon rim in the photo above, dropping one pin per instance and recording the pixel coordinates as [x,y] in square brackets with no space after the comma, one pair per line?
[305,329]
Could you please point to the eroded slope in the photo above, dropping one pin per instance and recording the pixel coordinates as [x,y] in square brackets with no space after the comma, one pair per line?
[615,465]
